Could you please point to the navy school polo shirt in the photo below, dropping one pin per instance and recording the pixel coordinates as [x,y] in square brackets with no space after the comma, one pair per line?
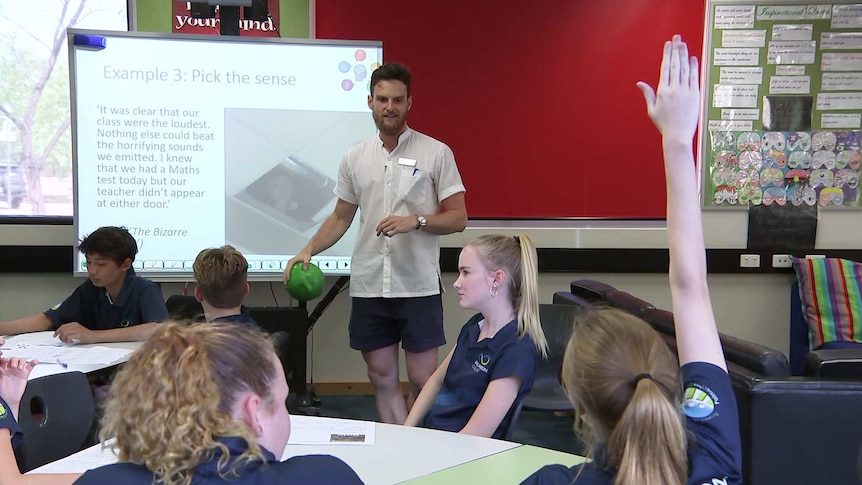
[473,366]
[714,452]
[139,301]
[311,469]
[7,421]
[243,318]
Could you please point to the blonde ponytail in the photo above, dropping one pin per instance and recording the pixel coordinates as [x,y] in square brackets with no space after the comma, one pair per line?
[649,439]
[625,385]
[518,256]
[528,303]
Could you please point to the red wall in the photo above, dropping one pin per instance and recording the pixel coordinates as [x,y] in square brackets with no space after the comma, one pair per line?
[536,98]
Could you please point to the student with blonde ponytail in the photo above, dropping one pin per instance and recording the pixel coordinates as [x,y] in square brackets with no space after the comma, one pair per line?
[650,419]
[492,366]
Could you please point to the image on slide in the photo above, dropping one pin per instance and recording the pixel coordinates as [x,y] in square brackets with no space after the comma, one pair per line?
[281,167]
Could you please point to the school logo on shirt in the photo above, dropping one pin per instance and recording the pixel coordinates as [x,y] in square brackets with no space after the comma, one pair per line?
[2,411]
[481,364]
[699,401]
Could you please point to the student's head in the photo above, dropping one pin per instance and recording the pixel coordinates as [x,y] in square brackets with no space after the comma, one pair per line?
[496,271]
[109,252]
[390,98]
[625,386]
[188,385]
[221,277]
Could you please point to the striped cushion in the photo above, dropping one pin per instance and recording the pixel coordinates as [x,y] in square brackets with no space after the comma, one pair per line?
[831,299]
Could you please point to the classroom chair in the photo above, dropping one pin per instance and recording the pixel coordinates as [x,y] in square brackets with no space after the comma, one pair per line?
[592,290]
[811,422]
[859,465]
[56,416]
[832,359]
[547,393]
[184,308]
[514,414]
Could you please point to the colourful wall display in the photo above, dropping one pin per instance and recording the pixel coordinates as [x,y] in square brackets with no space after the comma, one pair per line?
[783,104]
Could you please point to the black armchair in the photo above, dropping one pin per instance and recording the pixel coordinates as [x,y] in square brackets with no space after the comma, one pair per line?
[56,417]
[547,393]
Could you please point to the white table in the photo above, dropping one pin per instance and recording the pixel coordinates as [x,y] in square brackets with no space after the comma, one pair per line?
[47,337]
[399,453]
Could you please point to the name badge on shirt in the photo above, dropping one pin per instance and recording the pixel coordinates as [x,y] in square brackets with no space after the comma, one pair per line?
[407,161]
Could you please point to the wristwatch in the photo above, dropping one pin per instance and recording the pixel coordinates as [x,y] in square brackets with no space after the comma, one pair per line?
[422,222]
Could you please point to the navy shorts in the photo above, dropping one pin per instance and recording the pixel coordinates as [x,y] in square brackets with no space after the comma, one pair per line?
[416,322]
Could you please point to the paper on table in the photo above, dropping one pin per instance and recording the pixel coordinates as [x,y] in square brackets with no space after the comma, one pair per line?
[66,354]
[38,338]
[86,459]
[309,430]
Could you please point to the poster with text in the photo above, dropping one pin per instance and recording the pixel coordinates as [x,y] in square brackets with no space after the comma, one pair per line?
[783,89]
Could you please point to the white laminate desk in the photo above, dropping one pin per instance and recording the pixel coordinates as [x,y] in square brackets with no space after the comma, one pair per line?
[399,454]
[47,337]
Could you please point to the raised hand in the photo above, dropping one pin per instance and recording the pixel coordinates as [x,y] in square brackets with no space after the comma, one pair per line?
[674,106]
[13,379]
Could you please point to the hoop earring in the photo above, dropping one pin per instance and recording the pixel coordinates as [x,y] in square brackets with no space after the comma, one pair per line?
[493,290]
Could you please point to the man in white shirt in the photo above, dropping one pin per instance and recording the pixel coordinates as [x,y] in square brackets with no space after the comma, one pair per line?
[409,191]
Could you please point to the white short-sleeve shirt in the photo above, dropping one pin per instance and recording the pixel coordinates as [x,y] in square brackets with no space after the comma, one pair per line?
[412,180]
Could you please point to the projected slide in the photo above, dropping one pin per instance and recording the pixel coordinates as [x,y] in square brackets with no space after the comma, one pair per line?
[193,142]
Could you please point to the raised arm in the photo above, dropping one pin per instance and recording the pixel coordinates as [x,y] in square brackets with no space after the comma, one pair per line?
[675,109]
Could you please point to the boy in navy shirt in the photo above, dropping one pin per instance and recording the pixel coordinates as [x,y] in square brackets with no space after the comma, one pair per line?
[221,277]
[113,305]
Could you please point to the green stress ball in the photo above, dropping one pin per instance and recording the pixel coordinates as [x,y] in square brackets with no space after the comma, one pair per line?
[305,284]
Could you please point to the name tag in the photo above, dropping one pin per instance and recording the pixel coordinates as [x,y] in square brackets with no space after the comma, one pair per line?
[407,161]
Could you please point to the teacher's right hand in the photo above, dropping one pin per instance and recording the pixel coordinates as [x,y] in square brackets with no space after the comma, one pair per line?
[304,256]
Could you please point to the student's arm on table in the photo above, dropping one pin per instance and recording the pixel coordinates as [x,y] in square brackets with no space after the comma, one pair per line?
[428,393]
[74,332]
[495,403]
[675,110]
[34,323]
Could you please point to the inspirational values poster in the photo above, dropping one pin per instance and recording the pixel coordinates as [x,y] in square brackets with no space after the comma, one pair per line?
[784,95]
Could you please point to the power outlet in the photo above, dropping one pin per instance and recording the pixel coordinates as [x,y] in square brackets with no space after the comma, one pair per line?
[781,261]
[749,260]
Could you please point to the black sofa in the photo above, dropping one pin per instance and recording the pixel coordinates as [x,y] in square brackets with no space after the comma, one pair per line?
[794,430]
